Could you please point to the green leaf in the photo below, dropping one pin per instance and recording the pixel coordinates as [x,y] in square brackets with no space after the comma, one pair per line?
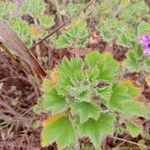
[92,74]
[106,33]
[78,30]
[105,93]
[64,68]
[96,130]
[123,40]
[133,109]
[28,41]
[92,59]
[147,64]
[60,131]
[143,27]
[62,41]
[109,68]
[76,64]
[74,8]
[134,11]
[119,96]
[132,89]
[134,129]
[53,101]
[46,21]
[71,75]
[75,36]
[86,111]
[132,62]
[110,29]
[83,95]
[131,34]
[139,52]
[124,3]
[3,10]
[127,38]
[35,8]
[21,27]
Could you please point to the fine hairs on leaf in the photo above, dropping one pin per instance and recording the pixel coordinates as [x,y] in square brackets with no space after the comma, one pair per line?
[89,104]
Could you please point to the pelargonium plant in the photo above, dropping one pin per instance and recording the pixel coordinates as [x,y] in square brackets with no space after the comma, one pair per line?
[86,98]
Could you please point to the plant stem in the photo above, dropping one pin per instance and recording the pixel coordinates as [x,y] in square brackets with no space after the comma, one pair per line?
[37,46]
[130,142]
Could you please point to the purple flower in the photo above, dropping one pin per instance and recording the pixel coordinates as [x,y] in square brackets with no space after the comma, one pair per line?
[145,41]
[19,2]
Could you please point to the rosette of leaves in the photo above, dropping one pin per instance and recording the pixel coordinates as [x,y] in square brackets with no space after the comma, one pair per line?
[87,100]
[132,12]
[119,21]
[111,29]
[76,36]
[137,61]
[113,8]
[135,12]
[34,8]
[72,9]
[109,26]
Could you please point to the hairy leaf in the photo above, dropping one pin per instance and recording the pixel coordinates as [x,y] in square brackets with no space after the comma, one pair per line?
[96,130]
[134,129]
[143,28]
[60,131]
[62,41]
[105,93]
[33,7]
[76,36]
[71,75]
[73,8]
[86,111]
[120,95]
[53,101]
[147,64]
[132,62]
[93,59]
[46,21]
[109,68]
[132,89]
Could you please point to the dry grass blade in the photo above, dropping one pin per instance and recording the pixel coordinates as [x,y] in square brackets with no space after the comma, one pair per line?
[17,47]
